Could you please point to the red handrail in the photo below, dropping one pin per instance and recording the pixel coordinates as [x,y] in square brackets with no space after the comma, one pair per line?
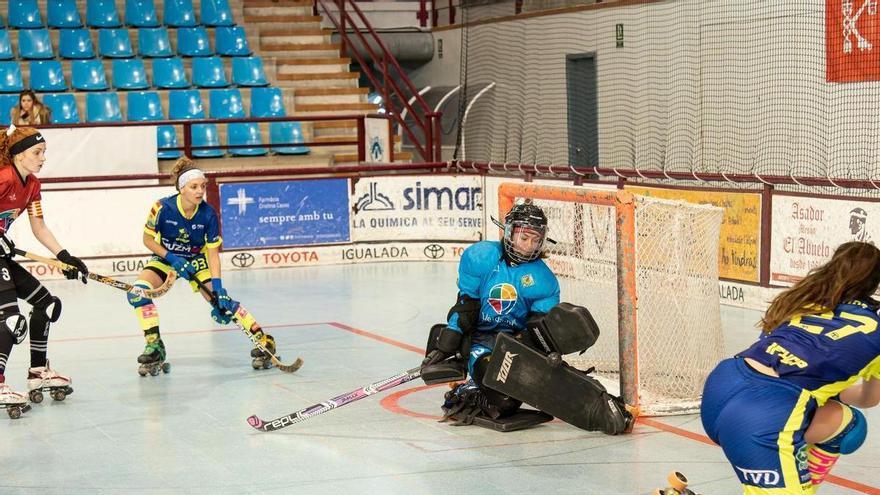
[424,118]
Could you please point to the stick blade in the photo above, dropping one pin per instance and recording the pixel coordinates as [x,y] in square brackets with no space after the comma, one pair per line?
[287,368]
[256,422]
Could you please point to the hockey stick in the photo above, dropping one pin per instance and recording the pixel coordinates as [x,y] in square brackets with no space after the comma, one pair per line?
[112,282]
[287,368]
[338,401]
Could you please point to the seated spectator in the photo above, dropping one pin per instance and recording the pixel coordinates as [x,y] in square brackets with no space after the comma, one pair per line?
[29,110]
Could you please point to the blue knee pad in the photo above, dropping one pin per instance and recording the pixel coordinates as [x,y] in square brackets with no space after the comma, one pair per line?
[851,437]
[137,301]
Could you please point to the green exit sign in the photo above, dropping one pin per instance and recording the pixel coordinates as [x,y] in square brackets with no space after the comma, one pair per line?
[618,35]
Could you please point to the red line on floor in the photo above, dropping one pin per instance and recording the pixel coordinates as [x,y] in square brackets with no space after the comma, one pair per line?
[391,404]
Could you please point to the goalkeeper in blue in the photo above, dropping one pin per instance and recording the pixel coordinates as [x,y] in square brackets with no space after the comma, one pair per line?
[785,409]
[507,332]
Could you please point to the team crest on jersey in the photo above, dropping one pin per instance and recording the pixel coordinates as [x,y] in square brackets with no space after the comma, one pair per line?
[527,280]
[182,236]
[502,298]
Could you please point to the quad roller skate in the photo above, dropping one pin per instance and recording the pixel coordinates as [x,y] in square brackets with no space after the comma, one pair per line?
[677,485]
[262,360]
[45,379]
[14,402]
[152,360]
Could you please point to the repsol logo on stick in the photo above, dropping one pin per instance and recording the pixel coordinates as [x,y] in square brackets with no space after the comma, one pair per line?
[441,198]
[369,253]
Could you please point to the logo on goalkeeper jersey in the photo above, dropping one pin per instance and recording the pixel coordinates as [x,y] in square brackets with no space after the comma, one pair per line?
[502,298]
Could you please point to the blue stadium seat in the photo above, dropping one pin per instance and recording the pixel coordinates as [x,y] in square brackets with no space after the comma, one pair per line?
[179,13]
[153,42]
[188,105]
[227,104]
[24,14]
[103,107]
[10,78]
[129,74]
[102,14]
[5,46]
[269,102]
[281,133]
[47,75]
[193,42]
[88,75]
[75,44]
[248,71]
[35,44]
[63,108]
[231,42]
[207,72]
[63,14]
[7,102]
[185,104]
[168,73]
[166,137]
[216,13]
[141,13]
[145,106]
[114,43]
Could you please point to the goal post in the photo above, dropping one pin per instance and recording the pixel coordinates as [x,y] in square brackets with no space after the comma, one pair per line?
[651,285]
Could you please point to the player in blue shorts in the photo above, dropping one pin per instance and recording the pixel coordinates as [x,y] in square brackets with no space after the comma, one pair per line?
[183,233]
[506,288]
[785,409]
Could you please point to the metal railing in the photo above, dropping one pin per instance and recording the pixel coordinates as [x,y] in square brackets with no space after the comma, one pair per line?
[388,78]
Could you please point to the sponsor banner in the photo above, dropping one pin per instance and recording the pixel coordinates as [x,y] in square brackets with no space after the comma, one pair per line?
[377,132]
[418,208]
[740,243]
[83,152]
[806,231]
[491,198]
[852,32]
[284,213]
[125,269]
[746,296]
[93,223]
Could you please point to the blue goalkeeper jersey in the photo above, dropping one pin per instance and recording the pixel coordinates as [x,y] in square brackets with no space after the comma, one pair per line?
[183,236]
[824,353]
[507,294]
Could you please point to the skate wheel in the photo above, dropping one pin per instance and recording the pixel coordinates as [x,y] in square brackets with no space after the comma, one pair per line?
[677,480]
[58,395]
[142,371]
[68,390]
[166,368]
[14,412]
[35,396]
[154,371]
[256,364]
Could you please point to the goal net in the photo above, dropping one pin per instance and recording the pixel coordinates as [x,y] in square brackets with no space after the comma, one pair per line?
[647,269]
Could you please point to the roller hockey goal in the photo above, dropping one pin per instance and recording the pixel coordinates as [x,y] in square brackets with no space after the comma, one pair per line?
[647,269]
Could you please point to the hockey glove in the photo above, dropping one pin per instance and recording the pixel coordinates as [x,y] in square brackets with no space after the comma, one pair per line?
[7,247]
[221,317]
[226,303]
[80,270]
[183,268]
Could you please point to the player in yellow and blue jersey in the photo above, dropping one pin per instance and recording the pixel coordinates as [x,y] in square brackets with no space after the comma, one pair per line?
[183,233]
[785,409]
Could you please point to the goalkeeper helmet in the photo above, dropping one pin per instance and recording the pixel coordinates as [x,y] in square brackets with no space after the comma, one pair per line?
[525,229]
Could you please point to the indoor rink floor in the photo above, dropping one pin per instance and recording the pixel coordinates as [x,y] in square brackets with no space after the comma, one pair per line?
[186,432]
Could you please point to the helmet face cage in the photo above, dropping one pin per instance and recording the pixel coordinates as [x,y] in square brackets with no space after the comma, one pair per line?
[525,216]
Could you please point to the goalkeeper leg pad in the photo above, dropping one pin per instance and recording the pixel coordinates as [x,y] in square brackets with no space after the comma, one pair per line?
[549,384]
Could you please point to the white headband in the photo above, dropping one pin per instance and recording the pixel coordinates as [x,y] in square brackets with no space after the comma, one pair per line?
[189,175]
